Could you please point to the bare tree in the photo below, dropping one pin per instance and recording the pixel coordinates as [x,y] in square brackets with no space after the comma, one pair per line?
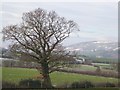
[38,36]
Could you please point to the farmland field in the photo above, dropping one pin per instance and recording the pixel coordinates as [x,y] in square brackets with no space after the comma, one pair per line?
[105,60]
[83,67]
[14,75]
[103,67]
[93,89]
[60,77]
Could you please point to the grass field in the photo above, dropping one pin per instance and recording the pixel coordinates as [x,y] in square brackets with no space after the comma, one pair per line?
[14,75]
[105,60]
[93,89]
[83,67]
[59,77]
[103,67]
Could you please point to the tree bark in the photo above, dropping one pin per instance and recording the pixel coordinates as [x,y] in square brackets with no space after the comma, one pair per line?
[45,73]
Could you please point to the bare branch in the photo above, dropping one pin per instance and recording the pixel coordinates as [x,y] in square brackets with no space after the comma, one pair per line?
[38,36]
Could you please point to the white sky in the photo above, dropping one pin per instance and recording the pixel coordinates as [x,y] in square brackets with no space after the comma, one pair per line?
[96,20]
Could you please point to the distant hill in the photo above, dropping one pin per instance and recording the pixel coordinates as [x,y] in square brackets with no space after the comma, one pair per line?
[99,49]
[5,53]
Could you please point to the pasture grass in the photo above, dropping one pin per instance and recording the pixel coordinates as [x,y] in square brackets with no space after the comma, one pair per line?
[83,67]
[92,89]
[59,78]
[15,75]
[105,60]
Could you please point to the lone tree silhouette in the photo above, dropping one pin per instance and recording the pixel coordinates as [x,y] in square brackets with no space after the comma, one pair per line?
[39,37]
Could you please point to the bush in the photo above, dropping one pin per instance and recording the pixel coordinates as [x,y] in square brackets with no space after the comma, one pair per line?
[64,85]
[8,85]
[76,85]
[109,85]
[29,83]
[98,70]
[85,84]
[105,85]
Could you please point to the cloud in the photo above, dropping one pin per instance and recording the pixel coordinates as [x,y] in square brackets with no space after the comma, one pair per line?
[14,15]
[97,21]
[9,18]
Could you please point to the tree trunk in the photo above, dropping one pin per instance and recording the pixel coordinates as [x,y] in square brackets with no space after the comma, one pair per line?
[46,77]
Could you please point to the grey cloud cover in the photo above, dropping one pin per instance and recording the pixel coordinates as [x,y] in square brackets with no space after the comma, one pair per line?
[96,20]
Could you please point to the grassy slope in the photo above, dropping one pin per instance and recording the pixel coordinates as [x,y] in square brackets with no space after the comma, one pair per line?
[14,75]
[105,60]
[83,67]
[0,74]
[94,89]
[59,77]
[104,67]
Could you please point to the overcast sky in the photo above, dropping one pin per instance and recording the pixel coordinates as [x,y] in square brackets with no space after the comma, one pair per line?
[96,20]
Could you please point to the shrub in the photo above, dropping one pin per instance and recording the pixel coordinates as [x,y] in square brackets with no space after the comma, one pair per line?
[105,85]
[29,83]
[98,70]
[109,85]
[64,85]
[8,85]
[75,85]
[85,84]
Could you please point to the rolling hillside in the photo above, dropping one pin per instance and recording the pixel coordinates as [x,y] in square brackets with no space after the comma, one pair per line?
[99,49]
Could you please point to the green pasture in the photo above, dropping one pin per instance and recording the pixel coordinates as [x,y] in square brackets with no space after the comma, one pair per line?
[59,78]
[15,75]
[105,60]
[83,67]
[93,89]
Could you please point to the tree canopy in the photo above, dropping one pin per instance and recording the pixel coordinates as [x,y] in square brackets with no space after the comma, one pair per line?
[39,36]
